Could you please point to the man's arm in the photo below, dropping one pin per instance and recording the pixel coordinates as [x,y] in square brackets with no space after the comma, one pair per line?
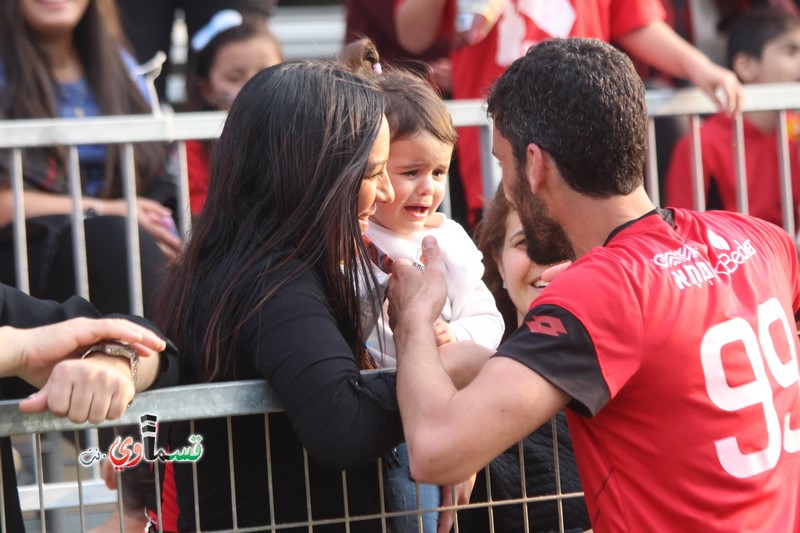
[658,45]
[42,340]
[94,388]
[417,23]
[452,433]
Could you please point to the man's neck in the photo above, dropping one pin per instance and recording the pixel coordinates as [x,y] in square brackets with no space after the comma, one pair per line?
[598,217]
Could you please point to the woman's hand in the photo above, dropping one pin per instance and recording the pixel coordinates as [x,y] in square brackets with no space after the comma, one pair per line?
[154,218]
[461,496]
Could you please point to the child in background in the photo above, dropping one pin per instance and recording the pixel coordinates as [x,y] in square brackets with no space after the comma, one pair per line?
[226,53]
[422,140]
[763,47]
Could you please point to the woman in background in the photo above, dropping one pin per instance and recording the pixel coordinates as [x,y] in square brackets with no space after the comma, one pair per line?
[61,60]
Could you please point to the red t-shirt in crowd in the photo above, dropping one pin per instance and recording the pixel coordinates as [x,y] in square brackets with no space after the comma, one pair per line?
[523,24]
[677,343]
[719,170]
[197,162]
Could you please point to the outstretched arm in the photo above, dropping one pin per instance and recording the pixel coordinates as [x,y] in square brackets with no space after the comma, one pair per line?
[452,433]
[96,388]
[659,46]
[417,23]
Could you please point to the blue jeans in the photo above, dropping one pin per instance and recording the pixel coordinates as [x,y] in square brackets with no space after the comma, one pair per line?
[401,495]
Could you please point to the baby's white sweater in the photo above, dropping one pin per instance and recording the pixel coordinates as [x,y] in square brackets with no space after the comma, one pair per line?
[470,308]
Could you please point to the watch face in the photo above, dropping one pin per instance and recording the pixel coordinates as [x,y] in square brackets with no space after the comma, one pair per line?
[119,350]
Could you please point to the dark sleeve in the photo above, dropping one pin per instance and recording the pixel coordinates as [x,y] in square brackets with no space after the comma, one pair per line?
[342,420]
[164,187]
[370,18]
[20,310]
[554,343]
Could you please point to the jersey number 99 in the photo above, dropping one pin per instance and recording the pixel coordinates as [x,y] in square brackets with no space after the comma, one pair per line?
[759,348]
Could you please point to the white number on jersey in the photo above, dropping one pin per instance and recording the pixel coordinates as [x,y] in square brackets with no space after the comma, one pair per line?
[759,347]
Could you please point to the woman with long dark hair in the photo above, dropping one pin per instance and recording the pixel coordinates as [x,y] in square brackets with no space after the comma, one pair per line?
[269,287]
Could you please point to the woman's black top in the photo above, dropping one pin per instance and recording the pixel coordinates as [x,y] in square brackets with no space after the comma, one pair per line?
[345,423]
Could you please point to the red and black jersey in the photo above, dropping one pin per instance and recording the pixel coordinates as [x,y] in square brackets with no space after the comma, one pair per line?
[677,343]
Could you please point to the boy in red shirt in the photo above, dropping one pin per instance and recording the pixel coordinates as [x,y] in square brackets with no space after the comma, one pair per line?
[763,47]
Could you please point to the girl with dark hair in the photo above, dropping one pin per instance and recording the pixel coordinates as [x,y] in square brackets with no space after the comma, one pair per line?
[224,54]
[62,60]
[269,288]
[422,140]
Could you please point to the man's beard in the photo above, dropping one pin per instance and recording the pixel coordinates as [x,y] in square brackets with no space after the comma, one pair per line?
[547,242]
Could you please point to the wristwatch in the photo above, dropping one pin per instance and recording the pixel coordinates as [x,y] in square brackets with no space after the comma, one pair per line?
[118,349]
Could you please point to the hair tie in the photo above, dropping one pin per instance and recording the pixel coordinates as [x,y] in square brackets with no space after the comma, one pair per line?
[221,21]
[376,68]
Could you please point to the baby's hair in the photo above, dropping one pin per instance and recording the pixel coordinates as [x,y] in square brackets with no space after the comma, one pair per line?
[749,33]
[412,104]
[200,61]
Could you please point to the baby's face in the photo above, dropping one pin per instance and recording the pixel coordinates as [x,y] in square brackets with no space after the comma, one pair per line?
[418,169]
[780,60]
[235,63]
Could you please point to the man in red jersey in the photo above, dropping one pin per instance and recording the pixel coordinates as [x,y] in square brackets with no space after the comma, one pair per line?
[671,339]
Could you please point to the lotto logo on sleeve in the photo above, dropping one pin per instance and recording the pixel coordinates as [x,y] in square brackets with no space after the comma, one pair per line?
[548,325]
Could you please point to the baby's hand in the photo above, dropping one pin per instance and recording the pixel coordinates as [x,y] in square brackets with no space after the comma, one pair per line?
[443,334]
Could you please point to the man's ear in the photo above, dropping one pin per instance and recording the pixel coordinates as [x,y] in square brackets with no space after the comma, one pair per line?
[746,67]
[534,166]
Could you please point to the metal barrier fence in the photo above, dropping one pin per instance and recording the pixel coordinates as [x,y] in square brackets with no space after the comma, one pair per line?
[201,402]
[233,399]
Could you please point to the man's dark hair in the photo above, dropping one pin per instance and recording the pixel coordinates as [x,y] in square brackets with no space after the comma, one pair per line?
[583,103]
[749,33]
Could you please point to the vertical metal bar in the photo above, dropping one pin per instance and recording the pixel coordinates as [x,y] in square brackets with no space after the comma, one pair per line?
[560,500]
[3,510]
[93,441]
[741,171]
[120,492]
[40,478]
[696,153]
[785,178]
[523,485]
[381,494]
[234,514]
[194,486]
[78,233]
[157,480]
[184,206]
[490,179]
[346,502]
[77,442]
[307,478]
[652,177]
[132,230]
[419,507]
[455,511]
[489,497]
[20,236]
[270,486]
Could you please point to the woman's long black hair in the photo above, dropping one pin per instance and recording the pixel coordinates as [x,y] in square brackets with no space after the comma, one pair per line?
[285,179]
